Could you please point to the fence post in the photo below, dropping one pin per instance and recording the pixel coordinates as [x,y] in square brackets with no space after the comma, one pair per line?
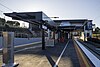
[8,49]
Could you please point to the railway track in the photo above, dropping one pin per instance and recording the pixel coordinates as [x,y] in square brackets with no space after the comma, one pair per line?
[92,49]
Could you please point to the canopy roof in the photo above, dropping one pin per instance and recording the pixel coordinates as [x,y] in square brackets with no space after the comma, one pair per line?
[73,24]
[42,18]
[32,17]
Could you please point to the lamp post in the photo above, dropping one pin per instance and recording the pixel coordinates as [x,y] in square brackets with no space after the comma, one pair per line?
[93,26]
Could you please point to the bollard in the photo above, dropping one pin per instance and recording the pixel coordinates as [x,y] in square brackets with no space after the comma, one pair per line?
[8,49]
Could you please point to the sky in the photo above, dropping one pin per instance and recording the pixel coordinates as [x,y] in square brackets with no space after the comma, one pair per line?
[64,9]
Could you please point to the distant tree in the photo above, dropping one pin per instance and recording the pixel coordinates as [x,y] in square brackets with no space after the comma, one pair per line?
[17,24]
[6,25]
[97,30]
[9,23]
[2,21]
[13,23]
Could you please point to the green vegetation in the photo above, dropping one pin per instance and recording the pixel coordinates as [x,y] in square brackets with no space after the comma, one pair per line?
[8,23]
[96,33]
[96,36]
[0,60]
[0,63]
[2,22]
[13,23]
[97,30]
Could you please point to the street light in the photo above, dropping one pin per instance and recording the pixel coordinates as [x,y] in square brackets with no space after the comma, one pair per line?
[93,26]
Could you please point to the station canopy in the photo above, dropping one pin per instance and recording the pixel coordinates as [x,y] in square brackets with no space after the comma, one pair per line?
[32,17]
[73,24]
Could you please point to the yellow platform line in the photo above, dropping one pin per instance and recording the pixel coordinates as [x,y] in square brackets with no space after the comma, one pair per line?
[84,62]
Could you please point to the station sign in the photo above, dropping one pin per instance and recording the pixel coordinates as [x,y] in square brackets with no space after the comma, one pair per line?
[89,26]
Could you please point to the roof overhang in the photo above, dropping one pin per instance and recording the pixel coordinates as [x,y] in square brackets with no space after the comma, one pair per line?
[73,20]
[73,24]
[32,17]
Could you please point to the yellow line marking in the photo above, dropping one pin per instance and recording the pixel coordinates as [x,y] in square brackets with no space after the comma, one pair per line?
[85,60]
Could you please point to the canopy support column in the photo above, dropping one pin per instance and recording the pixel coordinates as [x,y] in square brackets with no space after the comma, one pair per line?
[43,38]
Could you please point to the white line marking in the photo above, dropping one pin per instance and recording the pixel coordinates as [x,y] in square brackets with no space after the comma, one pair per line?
[27,48]
[27,44]
[60,55]
[92,57]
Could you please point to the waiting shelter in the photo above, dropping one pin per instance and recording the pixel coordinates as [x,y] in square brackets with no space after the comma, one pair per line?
[37,18]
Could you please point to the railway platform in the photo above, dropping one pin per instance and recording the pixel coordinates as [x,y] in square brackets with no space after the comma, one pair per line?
[66,54]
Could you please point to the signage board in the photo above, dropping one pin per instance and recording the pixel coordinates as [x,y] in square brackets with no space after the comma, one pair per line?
[89,26]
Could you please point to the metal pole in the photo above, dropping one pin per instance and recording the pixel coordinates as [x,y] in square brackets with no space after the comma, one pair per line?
[54,36]
[48,34]
[43,38]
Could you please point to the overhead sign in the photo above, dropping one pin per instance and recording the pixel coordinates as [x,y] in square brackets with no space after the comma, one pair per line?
[44,27]
[89,26]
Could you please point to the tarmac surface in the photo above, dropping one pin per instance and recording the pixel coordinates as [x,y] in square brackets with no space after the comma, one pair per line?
[36,57]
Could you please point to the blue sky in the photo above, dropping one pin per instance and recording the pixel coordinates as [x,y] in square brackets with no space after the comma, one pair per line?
[64,9]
